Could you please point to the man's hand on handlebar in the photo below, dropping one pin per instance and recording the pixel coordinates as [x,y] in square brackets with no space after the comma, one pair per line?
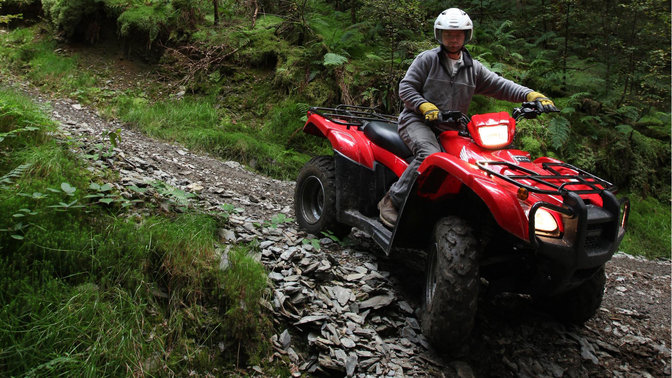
[543,103]
[429,111]
[453,116]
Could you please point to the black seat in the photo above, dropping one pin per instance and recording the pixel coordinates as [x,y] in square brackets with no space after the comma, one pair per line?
[385,135]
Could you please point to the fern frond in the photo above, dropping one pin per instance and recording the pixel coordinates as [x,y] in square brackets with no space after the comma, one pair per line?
[558,132]
[504,25]
[6,180]
[544,37]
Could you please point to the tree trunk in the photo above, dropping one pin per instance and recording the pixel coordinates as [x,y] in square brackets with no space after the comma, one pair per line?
[544,22]
[606,36]
[256,12]
[215,5]
[564,53]
[631,67]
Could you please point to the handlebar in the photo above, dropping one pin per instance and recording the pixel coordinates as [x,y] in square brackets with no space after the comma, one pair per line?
[453,116]
[456,120]
[452,120]
[527,110]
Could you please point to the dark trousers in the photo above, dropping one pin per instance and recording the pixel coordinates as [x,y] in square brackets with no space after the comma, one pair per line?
[422,141]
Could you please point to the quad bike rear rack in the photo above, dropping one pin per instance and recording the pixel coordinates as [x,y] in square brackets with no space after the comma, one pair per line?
[582,178]
[352,115]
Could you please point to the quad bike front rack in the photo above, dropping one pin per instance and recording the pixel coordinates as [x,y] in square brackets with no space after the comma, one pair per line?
[582,178]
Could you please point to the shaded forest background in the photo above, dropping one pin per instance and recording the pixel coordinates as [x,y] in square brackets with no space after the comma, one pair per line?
[253,67]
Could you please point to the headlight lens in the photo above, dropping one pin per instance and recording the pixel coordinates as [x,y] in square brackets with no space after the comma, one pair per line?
[493,136]
[545,222]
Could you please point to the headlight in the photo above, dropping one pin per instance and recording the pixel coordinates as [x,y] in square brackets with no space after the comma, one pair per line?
[492,130]
[545,222]
[492,136]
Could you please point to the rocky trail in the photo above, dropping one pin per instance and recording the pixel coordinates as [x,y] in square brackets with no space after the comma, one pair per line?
[345,309]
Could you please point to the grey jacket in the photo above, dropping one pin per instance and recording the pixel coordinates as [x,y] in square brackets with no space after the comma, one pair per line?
[428,80]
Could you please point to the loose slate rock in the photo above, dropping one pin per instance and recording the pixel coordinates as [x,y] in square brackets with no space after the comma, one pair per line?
[285,339]
[342,295]
[377,302]
[348,343]
[311,319]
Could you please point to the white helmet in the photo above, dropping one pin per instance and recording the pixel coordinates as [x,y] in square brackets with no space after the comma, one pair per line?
[453,19]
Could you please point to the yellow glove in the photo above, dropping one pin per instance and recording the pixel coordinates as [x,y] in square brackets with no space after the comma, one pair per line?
[543,103]
[429,111]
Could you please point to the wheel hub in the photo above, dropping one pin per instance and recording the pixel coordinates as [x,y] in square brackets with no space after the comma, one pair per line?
[312,199]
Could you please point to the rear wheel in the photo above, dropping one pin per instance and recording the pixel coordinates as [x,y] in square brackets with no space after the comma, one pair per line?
[579,304]
[315,198]
[451,287]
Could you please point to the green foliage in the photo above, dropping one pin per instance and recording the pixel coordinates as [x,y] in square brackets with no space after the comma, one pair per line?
[168,119]
[179,196]
[85,291]
[195,122]
[313,242]
[7,18]
[41,324]
[66,15]
[648,231]
[394,18]
[286,125]
[338,33]
[244,283]
[46,64]
[334,60]
[7,178]
[149,19]
[558,132]
[277,220]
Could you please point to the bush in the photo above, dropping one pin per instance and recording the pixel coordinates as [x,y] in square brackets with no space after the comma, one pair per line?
[150,20]
[66,16]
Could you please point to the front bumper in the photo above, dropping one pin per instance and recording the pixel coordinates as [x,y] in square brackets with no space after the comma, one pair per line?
[592,236]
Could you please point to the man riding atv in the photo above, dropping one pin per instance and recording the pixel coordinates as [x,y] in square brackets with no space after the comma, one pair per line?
[440,79]
[477,211]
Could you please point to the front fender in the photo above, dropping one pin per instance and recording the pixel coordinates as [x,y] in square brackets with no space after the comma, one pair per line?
[442,174]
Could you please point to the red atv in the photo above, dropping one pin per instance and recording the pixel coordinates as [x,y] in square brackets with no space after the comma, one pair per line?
[482,210]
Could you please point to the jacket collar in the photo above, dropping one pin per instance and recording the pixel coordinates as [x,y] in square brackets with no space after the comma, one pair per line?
[467,60]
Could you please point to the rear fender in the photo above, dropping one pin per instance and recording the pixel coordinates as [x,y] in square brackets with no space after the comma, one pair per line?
[442,175]
[346,140]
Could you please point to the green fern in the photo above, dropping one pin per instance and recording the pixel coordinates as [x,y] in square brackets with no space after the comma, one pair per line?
[6,180]
[334,60]
[12,133]
[544,37]
[624,129]
[558,132]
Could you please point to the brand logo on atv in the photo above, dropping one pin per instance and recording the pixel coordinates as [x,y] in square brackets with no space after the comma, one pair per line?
[522,159]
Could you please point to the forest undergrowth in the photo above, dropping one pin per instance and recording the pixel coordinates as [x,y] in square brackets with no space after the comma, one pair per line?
[93,283]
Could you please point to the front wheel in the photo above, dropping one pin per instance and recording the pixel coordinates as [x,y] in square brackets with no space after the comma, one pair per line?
[579,304]
[315,198]
[451,287]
